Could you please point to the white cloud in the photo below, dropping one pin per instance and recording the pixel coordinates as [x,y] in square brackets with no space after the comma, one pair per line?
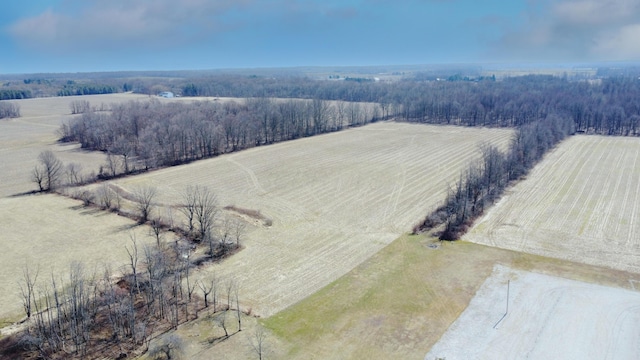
[574,30]
[623,44]
[96,24]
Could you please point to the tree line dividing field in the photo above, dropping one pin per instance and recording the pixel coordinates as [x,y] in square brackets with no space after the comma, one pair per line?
[580,203]
[486,179]
[151,134]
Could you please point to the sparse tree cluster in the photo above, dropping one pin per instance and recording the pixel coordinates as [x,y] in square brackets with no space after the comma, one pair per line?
[9,110]
[80,106]
[81,312]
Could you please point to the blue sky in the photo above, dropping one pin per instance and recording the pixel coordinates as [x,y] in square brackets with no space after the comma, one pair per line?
[111,35]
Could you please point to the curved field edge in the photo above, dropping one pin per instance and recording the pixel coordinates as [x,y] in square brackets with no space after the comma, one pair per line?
[580,204]
[400,302]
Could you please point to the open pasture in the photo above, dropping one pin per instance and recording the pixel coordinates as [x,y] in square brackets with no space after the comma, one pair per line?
[334,200]
[548,317]
[49,233]
[581,203]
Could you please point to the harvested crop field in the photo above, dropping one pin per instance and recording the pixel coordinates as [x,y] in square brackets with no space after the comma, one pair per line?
[548,317]
[581,203]
[49,233]
[23,138]
[333,200]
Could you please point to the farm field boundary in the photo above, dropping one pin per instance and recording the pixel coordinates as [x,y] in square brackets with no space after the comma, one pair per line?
[581,203]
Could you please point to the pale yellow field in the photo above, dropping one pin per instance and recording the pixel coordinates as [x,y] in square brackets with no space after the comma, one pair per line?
[581,203]
[22,139]
[50,232]
[335,200]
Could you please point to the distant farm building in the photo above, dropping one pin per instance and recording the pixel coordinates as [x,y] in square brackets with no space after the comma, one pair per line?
[166,94]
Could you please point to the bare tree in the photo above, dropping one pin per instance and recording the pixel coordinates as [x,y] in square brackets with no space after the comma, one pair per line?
[37,176]
[48,172]
[144,201]
[206,211]
[225,232]
[168,347]
[236,297]
[133,260]
[188,206]
[73,171]
[123,146]
[221,320]
[239,229]
[26,288]
[157,227]
[259,342]
[113,163]
[207,288]
[105,196]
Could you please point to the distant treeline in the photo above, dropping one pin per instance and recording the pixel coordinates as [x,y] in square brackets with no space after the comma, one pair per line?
[151,134]
[15,94]
[88,89]
[604,106]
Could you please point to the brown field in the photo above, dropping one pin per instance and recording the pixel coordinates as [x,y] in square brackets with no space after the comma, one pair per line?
[334,200]
[22,139]
[581,203]
[51,232]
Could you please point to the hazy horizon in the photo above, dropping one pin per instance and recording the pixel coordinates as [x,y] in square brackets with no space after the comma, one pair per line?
[62,36]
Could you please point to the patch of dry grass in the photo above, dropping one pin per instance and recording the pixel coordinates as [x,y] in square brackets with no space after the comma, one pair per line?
[398,303]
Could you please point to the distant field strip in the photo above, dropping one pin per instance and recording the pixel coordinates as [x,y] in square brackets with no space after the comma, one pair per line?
[334,199]
[580,203]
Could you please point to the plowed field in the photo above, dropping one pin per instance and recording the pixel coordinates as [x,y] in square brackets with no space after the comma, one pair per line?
[581,203]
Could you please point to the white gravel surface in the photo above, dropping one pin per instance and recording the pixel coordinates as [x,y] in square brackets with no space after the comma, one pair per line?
[548,318]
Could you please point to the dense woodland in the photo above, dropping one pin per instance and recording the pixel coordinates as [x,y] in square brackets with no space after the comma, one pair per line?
[604,106]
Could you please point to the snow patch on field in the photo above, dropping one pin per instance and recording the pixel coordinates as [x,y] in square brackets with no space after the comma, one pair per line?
[548,318]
